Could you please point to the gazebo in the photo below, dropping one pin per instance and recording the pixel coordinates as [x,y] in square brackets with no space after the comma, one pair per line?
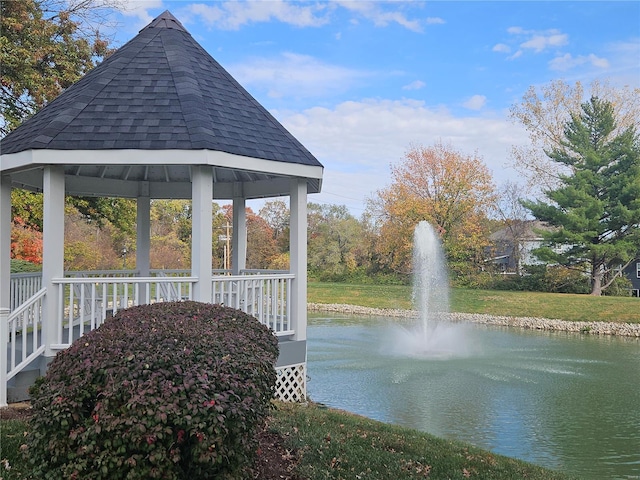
[158,119]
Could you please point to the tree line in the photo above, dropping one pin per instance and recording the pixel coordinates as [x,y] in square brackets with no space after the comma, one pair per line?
[581,166]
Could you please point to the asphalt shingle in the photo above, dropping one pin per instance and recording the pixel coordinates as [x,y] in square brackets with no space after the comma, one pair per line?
[159,91]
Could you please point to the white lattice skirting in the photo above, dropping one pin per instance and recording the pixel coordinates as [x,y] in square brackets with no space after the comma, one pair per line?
[291,385]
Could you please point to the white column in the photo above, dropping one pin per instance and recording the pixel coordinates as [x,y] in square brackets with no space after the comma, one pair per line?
[53,251]
[5,239]
[239,246]
[4,339]
[143,235]
[5,279]
[298,254]
[201,236]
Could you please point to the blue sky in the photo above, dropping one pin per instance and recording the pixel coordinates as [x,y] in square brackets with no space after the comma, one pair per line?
[359,82]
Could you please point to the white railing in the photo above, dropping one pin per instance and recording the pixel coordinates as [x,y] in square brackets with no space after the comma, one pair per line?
[181,272]
[24,327]
[266,297]
[85,303]
[22,287]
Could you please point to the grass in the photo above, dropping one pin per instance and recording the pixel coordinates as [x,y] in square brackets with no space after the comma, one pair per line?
[331,444]
[12,465]
[337,445]
[494,302]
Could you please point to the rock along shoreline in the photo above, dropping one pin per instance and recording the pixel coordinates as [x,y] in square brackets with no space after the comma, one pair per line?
[531,323]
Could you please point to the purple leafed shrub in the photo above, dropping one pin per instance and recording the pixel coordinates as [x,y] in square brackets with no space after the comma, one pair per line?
[170,390]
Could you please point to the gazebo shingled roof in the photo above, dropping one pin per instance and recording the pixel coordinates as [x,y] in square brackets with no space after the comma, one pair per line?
[157,97]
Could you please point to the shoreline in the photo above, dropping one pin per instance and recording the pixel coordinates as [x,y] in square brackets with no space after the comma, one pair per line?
[529,323]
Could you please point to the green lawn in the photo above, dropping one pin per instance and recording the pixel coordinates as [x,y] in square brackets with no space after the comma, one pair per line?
[13,466]
[493,302]
[331,444]
[339,445]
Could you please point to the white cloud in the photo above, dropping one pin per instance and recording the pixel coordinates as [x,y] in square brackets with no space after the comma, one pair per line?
[517,54]
[540,42]
[516,30]
[567,62]
[435,21]
[231,15]
[139,9]
[357,142]
[623,57]
[381,17]
[476,102]
[291,72]
[536,40]
[598,62]
[415,85]
[502,48]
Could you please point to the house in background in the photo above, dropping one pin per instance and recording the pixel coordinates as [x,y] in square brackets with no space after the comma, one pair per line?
[632,272]
[513,246]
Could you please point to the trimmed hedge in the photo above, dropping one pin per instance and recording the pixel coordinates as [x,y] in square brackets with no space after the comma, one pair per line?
[169,390]
[23,266]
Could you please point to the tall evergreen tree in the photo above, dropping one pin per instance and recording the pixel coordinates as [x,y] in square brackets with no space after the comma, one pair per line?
[596,208]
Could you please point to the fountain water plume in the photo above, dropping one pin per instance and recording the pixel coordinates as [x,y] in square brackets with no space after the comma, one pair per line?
[430,279]
[431,336]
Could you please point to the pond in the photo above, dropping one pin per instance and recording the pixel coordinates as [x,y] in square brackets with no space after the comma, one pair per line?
[570,402]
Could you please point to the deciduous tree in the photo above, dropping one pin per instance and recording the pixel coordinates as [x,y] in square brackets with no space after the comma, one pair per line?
[171,234]
[544,113]
[451,190]
[45,45]
[261,245]
[596,208]
[335,242]
[26,242]
[513,216]
[276,214]
[89,246]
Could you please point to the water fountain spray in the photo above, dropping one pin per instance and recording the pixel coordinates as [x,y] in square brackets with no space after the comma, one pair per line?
[430,280]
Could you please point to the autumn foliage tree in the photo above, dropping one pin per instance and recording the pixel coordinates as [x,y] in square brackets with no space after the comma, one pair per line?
[26,242]
[451,190]
[261,243]
[45,45]
[89,246]
[170,234]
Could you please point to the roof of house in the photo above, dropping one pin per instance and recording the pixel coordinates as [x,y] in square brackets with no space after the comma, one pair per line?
[521,230]
[159,91]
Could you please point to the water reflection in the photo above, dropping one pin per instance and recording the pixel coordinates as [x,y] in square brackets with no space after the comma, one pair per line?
[566,401]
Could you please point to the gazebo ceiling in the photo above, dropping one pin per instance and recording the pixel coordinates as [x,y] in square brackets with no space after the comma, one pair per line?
[160,181]
[142,118]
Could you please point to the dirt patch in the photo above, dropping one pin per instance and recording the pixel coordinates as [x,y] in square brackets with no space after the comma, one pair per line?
[273,462]
[16,411]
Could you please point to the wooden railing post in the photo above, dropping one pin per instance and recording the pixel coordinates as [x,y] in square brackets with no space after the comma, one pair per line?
[4,340]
